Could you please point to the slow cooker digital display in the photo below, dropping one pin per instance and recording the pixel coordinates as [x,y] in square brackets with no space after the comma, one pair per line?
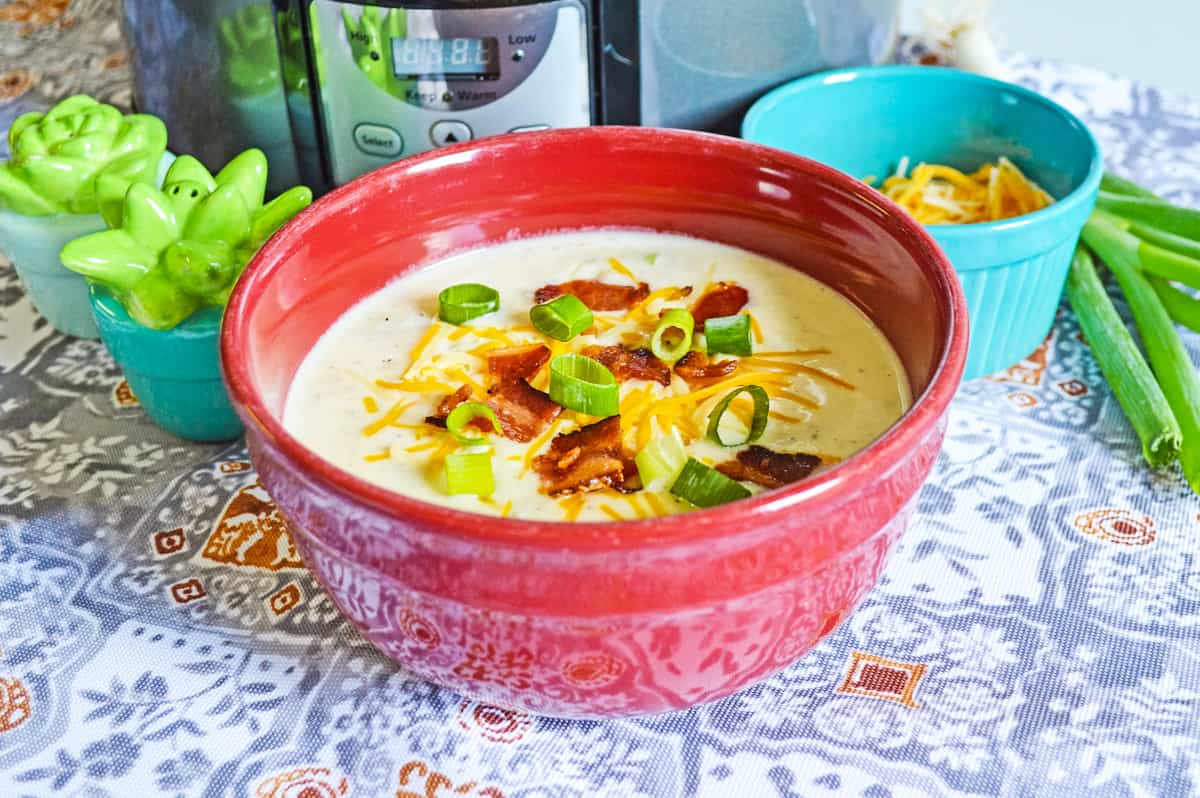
[449,59]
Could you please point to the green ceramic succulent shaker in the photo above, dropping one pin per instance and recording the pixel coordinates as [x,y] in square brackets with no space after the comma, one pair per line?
[50,194]
[162,275]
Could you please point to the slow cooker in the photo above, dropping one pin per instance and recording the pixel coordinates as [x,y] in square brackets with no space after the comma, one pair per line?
[331,89]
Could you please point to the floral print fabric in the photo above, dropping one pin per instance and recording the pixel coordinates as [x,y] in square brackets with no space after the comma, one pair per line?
[1037,633]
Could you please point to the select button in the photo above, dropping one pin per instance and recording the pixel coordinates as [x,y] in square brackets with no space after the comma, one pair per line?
[378,140]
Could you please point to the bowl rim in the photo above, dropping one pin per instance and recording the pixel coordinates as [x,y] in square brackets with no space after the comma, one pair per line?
[951,233]
[834,486]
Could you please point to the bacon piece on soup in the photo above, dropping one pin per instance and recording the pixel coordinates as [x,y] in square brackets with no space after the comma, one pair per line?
[762,466]
[631,364]
[517,362]
[590,458]
[697,369]
[447,405]
[596,295]
[721,299]
[524,411]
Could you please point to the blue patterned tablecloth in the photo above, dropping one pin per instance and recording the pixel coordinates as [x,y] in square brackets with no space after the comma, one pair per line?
[1037,634]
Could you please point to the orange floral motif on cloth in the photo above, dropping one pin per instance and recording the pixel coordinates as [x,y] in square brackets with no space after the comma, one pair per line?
[1022,400]
[188,590]
[122,395]
[876,677]
[1122,527]
[1072,388]
[34,12]
[234,467]
[303,783]
[285,599]
[1030,371]
[427,783]
[494,724]
[169,541]
[251,532]
[484,663]
[14,703]
[14,83]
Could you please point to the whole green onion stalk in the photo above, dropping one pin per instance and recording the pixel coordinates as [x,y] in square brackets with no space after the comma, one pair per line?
[175,250]
[1122,363]
[1168,356]
[59,159]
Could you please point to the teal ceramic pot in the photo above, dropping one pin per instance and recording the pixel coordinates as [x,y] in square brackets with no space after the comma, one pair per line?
[32,243]
[862,121]
[175,374]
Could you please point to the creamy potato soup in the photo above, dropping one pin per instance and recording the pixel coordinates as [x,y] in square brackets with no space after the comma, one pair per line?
[657,374]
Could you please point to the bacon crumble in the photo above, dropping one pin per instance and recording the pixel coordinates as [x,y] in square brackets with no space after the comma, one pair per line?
[447,405]
[631,364]
[721,299]
[762,466]
[517,362]
[697,369]
[596,295]
[524,411]
[588,459]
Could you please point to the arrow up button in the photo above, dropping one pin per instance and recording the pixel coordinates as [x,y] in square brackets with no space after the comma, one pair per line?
[449,131]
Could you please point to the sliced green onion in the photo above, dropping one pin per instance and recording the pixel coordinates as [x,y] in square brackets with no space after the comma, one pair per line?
[728,334]
[464,414]
[704,486]
[1122,364]
[1168,356]
[585,385]
[562,318]
[470,471]
[758,424]
[1182,306]
[660,461]
[459,304]
[676,323]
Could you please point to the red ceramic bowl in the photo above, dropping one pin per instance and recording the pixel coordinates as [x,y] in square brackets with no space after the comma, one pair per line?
[596,619]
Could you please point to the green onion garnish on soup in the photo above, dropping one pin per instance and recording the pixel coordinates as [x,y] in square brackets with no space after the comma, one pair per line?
[458,304]
[704,486]
[728,334]
[758,424]
[673,336]
[562,318]
[584,385]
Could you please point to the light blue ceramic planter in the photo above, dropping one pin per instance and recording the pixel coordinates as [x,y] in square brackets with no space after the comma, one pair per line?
[32,243]
[862,121]
[176,373]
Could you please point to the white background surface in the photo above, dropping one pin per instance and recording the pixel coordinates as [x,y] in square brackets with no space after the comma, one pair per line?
[1157,41]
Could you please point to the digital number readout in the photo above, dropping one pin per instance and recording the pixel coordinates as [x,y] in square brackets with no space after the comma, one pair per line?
[472,59]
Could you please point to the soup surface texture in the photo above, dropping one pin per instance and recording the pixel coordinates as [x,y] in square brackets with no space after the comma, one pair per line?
[367,397]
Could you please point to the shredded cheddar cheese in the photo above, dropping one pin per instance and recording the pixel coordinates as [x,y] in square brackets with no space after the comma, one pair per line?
[611,512]
[370,405]
[622,269]
[393,413]
[937,194]
[377,456]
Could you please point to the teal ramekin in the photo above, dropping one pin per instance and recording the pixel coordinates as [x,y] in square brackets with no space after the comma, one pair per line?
[863,121]
[176,373]
[32,243]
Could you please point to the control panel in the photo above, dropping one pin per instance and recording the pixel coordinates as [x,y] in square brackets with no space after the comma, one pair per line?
[395,81]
